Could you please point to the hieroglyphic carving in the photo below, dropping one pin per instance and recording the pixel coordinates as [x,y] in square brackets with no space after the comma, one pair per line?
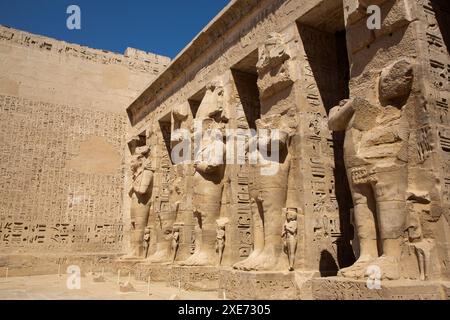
[437,82]
[244,214]
[324,163]
[133,59]
[163,214]
[43,203]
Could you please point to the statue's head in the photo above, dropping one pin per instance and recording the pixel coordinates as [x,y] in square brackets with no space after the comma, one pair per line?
[135,163]
[396,83]
[272,52]
[142,151]
[291,214]
[147,230]
[221,223]
[138,157]
[212,103]
[273,133]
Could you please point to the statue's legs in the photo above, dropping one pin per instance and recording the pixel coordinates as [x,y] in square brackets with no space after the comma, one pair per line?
[220,248]
[258,231]
[365,225]
[207,201]
[164,236]
[205,251]
[272,201]
[390,190]
[174,250]
[292,248]
[140,208]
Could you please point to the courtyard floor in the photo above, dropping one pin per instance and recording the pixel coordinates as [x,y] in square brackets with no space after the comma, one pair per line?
[53,287]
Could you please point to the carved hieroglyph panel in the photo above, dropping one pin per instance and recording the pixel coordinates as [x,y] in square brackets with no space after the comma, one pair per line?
[54,192]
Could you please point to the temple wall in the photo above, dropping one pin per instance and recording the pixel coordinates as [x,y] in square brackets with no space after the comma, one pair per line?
[62,158]
[332,56]
[323,243]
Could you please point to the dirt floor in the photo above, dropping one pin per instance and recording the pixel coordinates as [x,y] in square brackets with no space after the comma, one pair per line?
[54,287]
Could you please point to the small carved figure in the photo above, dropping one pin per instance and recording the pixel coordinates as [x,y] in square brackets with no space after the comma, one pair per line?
[175,241]
[146,241]
[220,241]
[289,235]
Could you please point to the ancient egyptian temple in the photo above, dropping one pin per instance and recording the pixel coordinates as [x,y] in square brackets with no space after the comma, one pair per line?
[292,150]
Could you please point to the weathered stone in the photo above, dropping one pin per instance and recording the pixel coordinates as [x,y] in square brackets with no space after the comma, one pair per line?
[297,155]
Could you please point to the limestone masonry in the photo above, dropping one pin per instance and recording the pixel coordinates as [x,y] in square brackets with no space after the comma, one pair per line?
[355,121]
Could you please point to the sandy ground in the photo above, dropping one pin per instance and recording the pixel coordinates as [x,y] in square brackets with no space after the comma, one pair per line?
[54,287]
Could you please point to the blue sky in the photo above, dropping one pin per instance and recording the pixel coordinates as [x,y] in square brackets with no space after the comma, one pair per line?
[160,26]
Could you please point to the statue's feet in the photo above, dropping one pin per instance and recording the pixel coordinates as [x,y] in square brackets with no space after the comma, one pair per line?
[160,256]
[267,260]
[244,264]
[200,258]
[131,256]
[389,267]
[358,269]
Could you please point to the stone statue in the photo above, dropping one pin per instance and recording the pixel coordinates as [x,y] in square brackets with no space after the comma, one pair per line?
[220,240]
[146,241]
[268,192]
[208,177]
[375,155]
[289,235]
[268,195]
[175,241]
[140,193]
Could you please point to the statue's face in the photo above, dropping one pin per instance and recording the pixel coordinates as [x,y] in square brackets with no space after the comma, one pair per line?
[291,215]
[135,163]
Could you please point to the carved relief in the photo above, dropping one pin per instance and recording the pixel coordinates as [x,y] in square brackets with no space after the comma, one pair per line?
[289,235]
[85,210]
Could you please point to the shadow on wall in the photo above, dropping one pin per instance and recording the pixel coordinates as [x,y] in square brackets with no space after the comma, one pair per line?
[327,265]
[442,9]
[331,71]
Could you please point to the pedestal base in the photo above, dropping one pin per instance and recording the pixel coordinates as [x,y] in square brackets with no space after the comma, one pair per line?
[44,264]
[156,272]
[126,266]
[194,278]
[276,285]
[337,288]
